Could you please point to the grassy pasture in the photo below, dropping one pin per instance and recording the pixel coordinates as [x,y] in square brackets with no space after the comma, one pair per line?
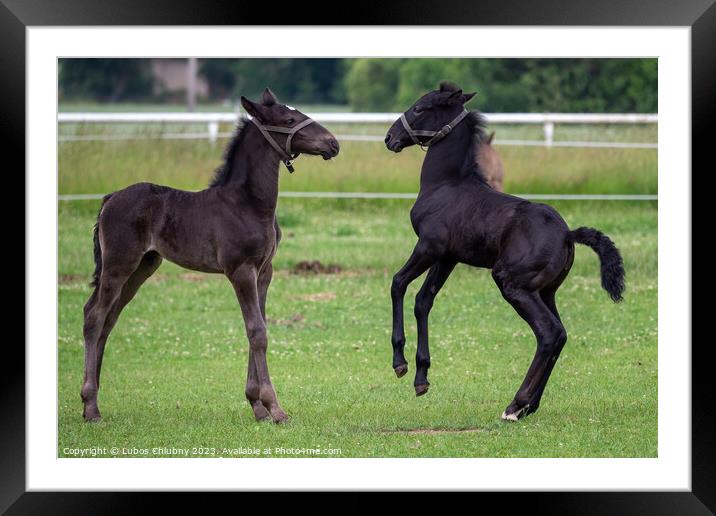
[175,365]
[176,362]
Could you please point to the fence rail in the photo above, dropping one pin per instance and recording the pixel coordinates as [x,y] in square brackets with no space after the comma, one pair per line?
[367,118]
[212,120]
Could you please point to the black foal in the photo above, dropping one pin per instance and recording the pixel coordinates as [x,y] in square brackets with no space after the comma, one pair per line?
[228,228]
[459,218]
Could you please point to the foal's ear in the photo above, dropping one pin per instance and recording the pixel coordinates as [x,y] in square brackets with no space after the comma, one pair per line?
[269,98]
[253,109]
[467,97]
[455,98]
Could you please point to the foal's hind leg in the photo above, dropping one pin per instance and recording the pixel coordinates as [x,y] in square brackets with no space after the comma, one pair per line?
[108,291]
[244,279]
[550,336]
[548,297]
[149,264]
[434,281]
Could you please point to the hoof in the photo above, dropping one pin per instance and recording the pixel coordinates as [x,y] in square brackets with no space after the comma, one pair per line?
[421,389]
[280,417]
[514,415]
[260,412]
[91,414]
[401,370]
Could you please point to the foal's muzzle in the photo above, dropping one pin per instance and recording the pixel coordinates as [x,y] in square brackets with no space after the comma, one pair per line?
[393,144]
[331,149]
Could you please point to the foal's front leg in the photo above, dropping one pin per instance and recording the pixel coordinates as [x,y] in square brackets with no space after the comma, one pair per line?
[244,279]
[437,276]
[418,263]
[253,387]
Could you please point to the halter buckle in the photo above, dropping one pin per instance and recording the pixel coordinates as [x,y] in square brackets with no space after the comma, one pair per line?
[289,165]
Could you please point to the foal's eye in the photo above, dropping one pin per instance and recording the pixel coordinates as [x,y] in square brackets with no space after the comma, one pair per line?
[417,110]
[290,121]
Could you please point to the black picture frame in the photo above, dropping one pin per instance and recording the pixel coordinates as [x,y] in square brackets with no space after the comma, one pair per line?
[700,15]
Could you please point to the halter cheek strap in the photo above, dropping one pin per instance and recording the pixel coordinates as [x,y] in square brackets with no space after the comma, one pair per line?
[287,155]
[435,136]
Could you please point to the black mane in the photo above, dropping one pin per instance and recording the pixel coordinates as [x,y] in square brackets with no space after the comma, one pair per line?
[478,124]
[223,173]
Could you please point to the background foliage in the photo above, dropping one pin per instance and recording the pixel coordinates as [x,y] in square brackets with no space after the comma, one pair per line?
[105,80]
[503,85]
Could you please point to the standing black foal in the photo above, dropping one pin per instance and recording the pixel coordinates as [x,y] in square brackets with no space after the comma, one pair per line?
[228,228]
[459,218]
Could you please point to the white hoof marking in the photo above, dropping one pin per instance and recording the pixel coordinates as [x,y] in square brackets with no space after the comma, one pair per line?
[516,415]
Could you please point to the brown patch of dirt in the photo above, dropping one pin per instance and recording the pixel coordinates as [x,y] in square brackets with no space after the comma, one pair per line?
[193,276]
[344,273]
[291,321]
[435,431]
[318,296]
[315,267]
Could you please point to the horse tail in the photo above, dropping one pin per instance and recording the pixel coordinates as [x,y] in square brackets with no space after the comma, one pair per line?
[97,248]
[612,266]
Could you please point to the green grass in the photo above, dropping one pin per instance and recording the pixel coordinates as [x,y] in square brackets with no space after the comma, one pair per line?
[100,167]
[175,365]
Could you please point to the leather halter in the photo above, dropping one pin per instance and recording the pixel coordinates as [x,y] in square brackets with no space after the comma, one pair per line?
[287,156]
[435,136]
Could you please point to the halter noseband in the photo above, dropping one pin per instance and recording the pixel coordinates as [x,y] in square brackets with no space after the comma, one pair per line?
[287,156]
[435,136]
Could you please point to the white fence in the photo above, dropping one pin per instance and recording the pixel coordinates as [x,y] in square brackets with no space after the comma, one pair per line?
[382,195]
[212,121]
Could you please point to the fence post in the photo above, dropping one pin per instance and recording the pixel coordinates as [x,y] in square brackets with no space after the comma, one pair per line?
[213,131]
[191,71]
[548,133]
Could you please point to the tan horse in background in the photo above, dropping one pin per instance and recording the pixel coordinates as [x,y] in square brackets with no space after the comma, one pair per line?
[491,164]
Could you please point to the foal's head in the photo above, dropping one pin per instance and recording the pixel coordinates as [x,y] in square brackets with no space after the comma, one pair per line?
[311,139]
[431,112]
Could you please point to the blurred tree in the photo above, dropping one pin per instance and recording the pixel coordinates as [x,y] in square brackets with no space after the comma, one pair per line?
[220,75]
[417,76]
[105,80]
[372,84]
[293,80]
[502,85]
[511,85]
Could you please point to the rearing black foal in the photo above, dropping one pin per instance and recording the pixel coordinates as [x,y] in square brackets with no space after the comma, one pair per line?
[459,218]
[228,228]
